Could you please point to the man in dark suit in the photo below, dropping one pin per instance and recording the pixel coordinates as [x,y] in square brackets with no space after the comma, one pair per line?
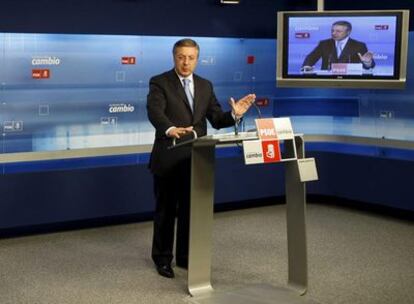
[339,49]
[179,104]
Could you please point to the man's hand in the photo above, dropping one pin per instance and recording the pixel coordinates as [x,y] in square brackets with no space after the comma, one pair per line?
[178,132]
[366,59]
[242,105]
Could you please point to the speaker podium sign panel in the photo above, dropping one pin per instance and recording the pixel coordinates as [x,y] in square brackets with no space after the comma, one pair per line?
[267,149]
[274,128]
[259,152]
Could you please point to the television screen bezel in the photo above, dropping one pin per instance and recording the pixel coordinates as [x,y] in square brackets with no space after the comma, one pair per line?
[392,82]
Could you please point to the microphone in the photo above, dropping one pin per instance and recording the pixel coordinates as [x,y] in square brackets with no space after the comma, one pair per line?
[237,121]
[259,113]
[329,67]
[236,126]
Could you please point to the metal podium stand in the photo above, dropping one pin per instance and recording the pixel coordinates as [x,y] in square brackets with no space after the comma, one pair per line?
[201,221]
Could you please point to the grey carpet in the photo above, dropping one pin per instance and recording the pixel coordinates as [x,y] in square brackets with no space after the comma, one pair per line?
[354,257]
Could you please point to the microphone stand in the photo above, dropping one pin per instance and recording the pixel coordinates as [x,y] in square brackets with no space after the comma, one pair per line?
[236,126]
[259,113]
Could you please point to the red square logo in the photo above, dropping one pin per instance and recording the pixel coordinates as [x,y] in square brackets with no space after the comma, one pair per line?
[302,35]
[250,59]
[382,27]
[128,60]
[41,74]
[339,68]
[266,129]
[271,151]
[262,102]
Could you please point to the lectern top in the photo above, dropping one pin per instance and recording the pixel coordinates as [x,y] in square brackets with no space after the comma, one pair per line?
[217,139]
[231,137]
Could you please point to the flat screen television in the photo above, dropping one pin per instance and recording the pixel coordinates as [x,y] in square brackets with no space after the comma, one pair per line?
[352,49]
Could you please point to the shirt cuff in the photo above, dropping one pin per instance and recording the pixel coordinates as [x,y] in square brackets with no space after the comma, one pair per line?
[168,130]
[235,118]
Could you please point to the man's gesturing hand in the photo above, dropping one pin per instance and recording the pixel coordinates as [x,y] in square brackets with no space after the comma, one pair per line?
[242,105]
[366,59]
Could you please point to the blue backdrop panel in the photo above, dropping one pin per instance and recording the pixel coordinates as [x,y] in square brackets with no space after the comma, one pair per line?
[74,108]
[91,98]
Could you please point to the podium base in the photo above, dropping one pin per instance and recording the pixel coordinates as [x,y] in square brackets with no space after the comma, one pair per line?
[253,294]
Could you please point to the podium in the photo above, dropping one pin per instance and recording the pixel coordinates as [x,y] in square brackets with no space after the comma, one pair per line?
[201,222]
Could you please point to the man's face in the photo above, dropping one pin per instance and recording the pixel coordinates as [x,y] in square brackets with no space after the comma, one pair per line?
[185,60]
[339,32]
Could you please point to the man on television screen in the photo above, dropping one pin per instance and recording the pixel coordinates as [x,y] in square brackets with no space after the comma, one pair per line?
[341,48]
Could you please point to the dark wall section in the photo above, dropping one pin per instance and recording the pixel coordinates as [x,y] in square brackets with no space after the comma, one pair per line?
[326,106]
[251,18]
[52,197]
[58,196]
[374,180]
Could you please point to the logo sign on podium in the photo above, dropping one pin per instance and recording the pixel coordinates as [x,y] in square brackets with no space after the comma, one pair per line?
[347,68]
[271,151]
[271,132]
[259,152]
[274,128]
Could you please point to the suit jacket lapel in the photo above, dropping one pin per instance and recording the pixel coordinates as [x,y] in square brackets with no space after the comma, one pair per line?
[197,93]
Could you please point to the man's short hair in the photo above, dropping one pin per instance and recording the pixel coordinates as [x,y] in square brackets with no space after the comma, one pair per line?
[344,23]
[186,42]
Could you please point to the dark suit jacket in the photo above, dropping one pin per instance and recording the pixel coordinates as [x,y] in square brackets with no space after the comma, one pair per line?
[167,106]
[327,51]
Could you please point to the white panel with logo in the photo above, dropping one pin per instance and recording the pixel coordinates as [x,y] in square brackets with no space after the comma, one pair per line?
[276,143]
